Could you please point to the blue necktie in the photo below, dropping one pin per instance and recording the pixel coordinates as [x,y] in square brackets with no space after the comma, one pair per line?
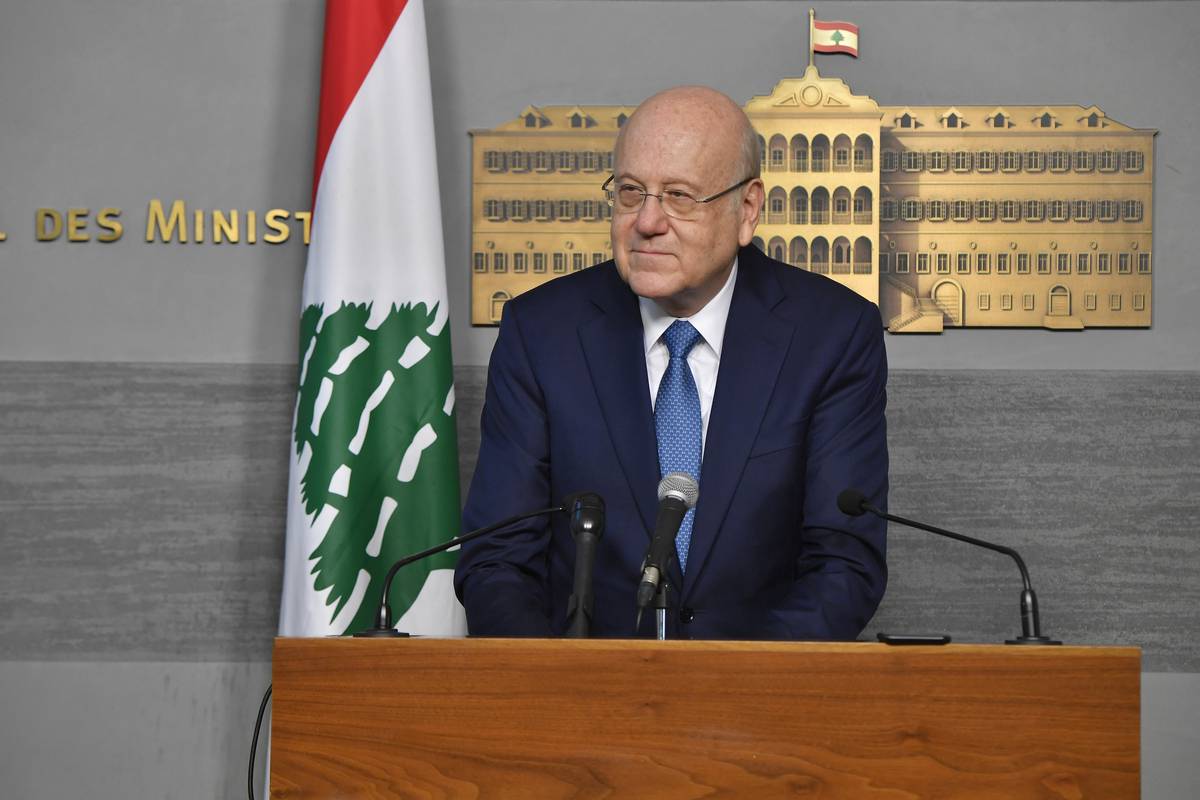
[677,421]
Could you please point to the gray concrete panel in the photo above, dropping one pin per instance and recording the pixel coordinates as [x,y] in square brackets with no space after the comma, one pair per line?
[142,507]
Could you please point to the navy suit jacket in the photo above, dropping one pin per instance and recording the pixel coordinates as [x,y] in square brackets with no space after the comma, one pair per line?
[797,416]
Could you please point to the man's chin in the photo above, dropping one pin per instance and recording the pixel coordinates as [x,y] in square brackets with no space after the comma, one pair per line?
[652,287]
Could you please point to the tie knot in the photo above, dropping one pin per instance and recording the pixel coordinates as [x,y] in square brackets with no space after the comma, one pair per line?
[680,338]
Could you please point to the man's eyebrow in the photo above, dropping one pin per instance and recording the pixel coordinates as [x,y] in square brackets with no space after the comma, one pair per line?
[625,176]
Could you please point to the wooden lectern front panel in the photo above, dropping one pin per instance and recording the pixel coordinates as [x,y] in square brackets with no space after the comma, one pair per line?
[466,718]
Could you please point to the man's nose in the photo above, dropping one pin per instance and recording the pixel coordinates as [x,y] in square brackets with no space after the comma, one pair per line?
[651,219]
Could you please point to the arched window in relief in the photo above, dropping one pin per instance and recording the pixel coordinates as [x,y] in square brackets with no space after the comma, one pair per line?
[798,252]
[799,200]
[841,255]
[864,152]
[863,257]
[841,153]
[952,121]
[498,301]
[777,249]
[819,206]
[799,153]
[778,153]
[819,255]
[906,121]
[841,205]
[999,121]
[819,153]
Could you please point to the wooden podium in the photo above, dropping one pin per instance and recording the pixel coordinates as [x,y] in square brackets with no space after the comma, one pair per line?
[450,718]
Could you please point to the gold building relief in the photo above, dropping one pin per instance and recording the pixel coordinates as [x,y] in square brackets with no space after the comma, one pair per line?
[945,216]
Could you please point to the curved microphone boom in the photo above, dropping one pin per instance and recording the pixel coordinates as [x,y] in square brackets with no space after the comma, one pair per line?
[854,503]
[383,617]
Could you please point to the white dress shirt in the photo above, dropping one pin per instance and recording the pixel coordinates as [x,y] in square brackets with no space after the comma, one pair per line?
[704,359]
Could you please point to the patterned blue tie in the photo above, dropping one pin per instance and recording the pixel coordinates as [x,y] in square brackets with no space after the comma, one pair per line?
[677,421]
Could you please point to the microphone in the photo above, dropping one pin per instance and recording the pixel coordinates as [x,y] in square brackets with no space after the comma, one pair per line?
[677,493]
[854,503]
[587,526]
[383,617]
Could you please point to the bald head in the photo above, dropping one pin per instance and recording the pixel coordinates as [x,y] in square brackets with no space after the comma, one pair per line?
[690,142]
[698,111]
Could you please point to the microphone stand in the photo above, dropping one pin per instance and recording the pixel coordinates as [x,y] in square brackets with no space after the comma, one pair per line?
[660,610]
[1031,628]
[587,526]
[383,617]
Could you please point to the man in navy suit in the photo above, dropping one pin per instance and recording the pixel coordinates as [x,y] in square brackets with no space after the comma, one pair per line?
[777,395]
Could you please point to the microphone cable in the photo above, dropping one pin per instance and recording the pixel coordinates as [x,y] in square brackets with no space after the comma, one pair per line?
[262,709]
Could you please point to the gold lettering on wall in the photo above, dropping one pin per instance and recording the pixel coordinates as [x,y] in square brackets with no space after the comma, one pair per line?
[225,228]
[48,224]
[306,218]
[106,219]
[76,224]
[170,223]
[275,221]
[164,226]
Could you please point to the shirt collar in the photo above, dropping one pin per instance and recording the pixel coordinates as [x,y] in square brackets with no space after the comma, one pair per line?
[710,320]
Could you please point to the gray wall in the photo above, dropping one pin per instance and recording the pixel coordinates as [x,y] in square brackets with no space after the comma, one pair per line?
[147,395]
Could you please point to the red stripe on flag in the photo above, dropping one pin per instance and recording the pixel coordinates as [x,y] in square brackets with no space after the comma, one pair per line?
[355,31]
[829,48]
[835,26]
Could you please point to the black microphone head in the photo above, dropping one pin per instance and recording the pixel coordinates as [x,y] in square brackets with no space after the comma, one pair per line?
[587,513]
[681,486]
[852,502]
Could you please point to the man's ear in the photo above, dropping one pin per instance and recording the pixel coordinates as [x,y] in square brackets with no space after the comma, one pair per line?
[751,210]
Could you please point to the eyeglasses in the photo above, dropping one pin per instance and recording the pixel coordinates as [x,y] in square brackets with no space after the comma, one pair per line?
[627,198]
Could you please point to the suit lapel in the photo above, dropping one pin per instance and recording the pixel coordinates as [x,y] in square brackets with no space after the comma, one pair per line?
[756,342]
[615,352]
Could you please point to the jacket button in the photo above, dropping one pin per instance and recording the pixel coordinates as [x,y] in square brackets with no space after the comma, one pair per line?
[686,615]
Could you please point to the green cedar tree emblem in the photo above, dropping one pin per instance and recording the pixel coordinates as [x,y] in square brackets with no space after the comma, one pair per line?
[409,418]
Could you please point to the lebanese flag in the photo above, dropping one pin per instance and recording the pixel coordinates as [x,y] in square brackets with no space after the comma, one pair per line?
[374,452]
[835,37]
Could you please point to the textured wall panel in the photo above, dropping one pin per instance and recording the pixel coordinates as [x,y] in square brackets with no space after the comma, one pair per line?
[141,507]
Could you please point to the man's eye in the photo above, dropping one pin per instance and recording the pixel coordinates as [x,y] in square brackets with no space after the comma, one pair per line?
[676,194]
